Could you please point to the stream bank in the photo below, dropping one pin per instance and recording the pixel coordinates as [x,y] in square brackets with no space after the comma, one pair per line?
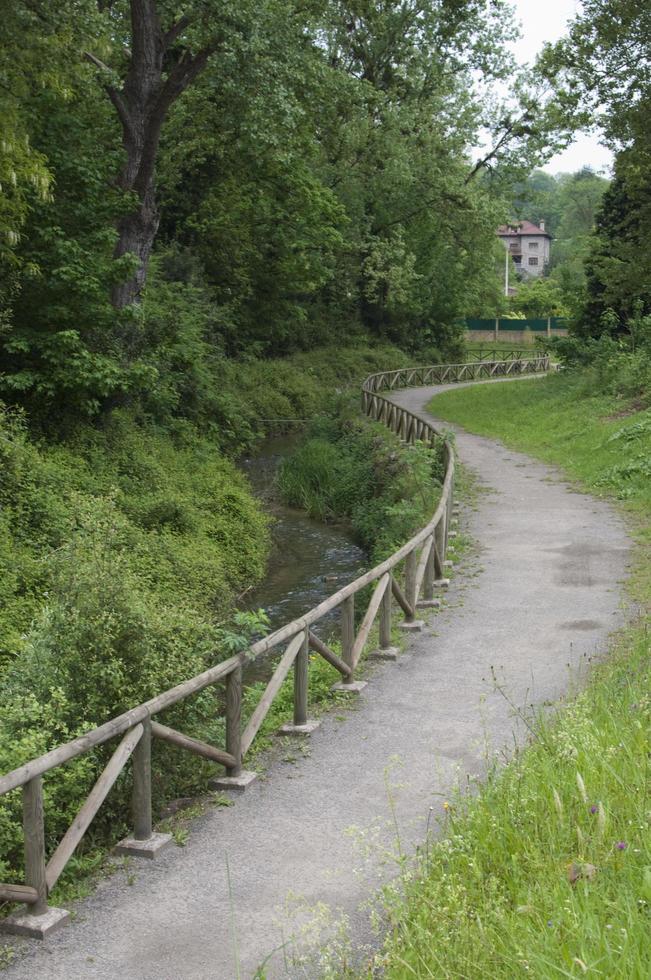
[309,560]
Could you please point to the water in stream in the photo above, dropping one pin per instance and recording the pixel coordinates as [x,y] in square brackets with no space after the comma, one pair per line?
[309,560]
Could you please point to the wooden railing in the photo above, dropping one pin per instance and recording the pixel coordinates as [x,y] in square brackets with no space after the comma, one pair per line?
[409,577]
[500,354]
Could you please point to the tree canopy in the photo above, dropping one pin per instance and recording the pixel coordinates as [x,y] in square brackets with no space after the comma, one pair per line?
[280,173]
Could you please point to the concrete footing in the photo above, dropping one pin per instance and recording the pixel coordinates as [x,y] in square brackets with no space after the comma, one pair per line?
[306,729]
[428,603]
[452,534]
[442,583]
[384,653]
[353,688]
[150,848]
[236,783]
[35,926]
[412,626]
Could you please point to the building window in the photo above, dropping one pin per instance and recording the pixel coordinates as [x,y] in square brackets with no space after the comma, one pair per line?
[533,260]
[514,246]
[533,245]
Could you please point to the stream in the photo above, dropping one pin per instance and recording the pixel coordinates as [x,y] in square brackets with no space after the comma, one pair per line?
[308,561]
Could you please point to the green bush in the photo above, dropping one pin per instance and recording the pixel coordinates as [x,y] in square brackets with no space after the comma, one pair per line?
[349,467]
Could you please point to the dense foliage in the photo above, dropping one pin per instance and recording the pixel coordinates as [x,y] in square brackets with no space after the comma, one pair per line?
[348,467]
[601,70]
[282,174]
[122,551]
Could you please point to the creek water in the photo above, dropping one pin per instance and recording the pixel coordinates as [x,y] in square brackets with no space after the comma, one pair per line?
[309,560]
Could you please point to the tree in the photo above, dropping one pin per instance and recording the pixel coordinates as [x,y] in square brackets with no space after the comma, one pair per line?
[157,56]
[601,70]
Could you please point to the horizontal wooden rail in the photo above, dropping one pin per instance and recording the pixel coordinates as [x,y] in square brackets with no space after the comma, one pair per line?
[422,557]
[194,745]
[18,893]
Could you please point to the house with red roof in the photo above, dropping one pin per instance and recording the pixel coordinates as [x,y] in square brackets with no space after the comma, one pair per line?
[529,245]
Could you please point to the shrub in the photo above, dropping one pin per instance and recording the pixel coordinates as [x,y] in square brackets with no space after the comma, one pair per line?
[349,467]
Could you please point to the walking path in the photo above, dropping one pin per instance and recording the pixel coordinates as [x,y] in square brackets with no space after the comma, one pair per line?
[542,592]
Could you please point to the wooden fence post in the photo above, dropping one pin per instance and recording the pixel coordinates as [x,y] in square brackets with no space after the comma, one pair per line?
[439,545]
[34,828]
[430,573]
[348,685]
[141,800]
[410,581]
[385,651]
[348,634]
[301,681]
[385,618]
[234,720]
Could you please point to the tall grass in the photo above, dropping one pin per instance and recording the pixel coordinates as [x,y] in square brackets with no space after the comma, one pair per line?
[547,873]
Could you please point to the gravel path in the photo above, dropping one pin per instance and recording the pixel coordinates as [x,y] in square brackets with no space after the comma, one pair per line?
[306,844]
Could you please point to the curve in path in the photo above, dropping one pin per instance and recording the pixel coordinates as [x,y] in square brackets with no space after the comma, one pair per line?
[541,593]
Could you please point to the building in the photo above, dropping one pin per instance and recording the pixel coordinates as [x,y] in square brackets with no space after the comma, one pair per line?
[529,245]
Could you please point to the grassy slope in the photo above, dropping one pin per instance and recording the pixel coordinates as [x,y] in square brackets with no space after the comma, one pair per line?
[547,873]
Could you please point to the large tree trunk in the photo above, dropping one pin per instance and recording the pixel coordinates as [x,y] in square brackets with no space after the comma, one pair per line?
[142,105]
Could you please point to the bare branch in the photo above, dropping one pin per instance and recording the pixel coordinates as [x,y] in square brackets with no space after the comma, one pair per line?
[96,61]
[121,108]
[484,161]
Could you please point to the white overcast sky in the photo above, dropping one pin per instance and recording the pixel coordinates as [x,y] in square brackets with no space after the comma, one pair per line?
[546,20]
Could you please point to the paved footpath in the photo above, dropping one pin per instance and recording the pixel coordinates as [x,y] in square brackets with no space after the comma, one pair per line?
[542,592]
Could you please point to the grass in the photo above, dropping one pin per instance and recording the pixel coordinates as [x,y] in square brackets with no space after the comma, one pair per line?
[545,871]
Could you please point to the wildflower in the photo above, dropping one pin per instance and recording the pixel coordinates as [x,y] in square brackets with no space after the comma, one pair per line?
[558,804]
[549,922]
[446,805]
[621,845]
[594,808]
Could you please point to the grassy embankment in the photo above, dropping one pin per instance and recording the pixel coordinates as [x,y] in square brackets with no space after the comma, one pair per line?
[547,872]
[122,551]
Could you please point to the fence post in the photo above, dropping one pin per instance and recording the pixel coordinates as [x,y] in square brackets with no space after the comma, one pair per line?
[236,778]
[234,720]
[301,681]
[430,574]
[348,634]
[39,919]
[348,685]
[144,843]
[385,651]
[385,617]
[497,327]
[141,800]
[34,828]
[410,581]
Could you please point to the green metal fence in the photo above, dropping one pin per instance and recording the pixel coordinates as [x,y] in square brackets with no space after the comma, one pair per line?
[504,324]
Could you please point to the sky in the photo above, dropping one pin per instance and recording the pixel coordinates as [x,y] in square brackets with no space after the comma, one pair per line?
[541,21]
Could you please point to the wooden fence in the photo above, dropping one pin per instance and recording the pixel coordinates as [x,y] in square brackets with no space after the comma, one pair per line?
[409,577]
